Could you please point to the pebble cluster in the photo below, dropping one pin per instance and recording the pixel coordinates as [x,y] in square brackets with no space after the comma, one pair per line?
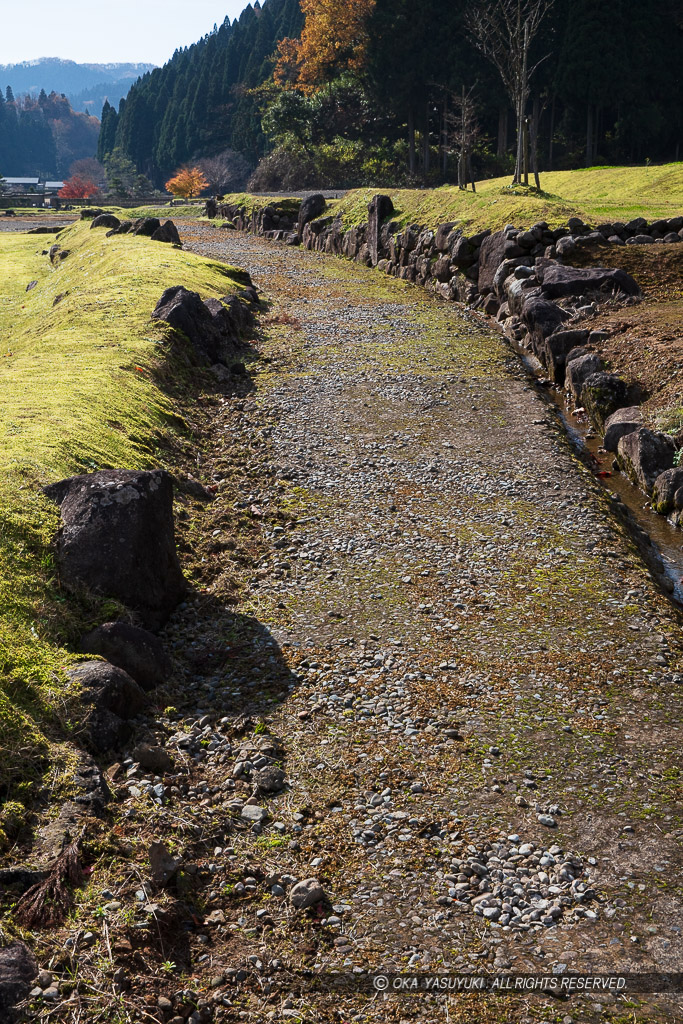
[521,885]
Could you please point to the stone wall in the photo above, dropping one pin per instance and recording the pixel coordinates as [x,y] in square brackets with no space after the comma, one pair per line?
[519,277]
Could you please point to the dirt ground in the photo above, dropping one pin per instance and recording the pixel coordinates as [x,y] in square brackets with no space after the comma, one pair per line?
[412,601]
[646,340]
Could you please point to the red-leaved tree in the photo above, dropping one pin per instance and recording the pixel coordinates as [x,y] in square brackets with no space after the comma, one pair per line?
[77,188]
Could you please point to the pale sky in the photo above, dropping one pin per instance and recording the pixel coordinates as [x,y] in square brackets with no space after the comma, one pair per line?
[105,32]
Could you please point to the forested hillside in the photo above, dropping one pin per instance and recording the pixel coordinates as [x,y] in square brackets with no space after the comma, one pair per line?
[42,135]
[199,103]
[379,91]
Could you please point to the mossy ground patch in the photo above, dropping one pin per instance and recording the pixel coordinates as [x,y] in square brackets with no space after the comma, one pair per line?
[595,194]
[82,384]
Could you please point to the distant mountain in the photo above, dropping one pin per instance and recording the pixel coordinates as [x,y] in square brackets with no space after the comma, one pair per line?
[86,85]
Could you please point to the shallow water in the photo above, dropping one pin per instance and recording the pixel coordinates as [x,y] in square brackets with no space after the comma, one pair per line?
[667,539]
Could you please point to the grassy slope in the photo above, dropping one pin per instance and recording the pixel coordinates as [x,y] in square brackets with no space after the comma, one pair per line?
[80,386]
[595,194]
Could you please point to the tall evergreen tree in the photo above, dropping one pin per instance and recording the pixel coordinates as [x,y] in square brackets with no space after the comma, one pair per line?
[107,137]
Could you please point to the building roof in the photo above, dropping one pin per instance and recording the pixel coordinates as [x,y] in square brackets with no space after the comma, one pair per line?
[21,181]
[54,184]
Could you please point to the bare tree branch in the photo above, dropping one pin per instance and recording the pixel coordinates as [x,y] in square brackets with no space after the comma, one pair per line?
[503,31]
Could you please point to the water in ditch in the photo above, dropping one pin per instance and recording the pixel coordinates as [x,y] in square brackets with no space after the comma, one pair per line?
[667,539]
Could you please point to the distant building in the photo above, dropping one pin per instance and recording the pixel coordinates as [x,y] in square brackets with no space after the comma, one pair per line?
[33,191]
[20,184]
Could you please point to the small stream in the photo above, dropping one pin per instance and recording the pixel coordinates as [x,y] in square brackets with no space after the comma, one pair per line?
[667,539]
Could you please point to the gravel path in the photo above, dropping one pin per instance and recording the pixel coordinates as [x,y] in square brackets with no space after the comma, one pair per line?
[450,646]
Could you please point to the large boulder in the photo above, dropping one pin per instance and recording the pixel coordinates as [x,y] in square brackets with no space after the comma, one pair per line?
[117,539]
[622,422]
[18,969]
[88,212]
[137,651]
[667,493]
[231,314]
[565,246]
[556,349]
[210,326]
[166,232]
[643,455]
[444,238]
[105,220]
[146,226]
[542,318]
[462,253]
[519,291]
[602,394]
[379,209]
[560,281]
[579,370]
[124,227]
[491,255]
[505,270]
[109,697]
[311,208]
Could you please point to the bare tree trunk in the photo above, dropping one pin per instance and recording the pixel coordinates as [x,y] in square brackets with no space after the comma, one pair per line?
[534,142]
[411,142]
[444,154]
[462,170]
[552,132]
[520,131]
[502,146]
[425,144]
[589,135]
[471,173]
[523,88]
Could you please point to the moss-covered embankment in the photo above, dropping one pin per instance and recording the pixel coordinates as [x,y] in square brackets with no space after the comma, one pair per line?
[593,194]
[87,382]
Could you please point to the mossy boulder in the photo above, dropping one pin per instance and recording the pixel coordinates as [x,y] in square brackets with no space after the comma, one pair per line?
[623,421]
[602,394]
[311,208]
[106,220]
[212,327]
[137,651]
[667,493]
[557,348]
[117,540]
[166,232]
[107,698]
[643,455]
[578,370]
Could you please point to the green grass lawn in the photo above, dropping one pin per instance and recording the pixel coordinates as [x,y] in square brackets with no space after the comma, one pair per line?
[81,383]
[596,194]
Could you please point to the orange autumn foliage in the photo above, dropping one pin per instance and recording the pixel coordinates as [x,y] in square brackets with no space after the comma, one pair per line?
[187,183]
[334,39]
[78,188]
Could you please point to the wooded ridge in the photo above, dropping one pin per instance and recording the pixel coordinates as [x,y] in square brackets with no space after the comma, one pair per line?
[333,94]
